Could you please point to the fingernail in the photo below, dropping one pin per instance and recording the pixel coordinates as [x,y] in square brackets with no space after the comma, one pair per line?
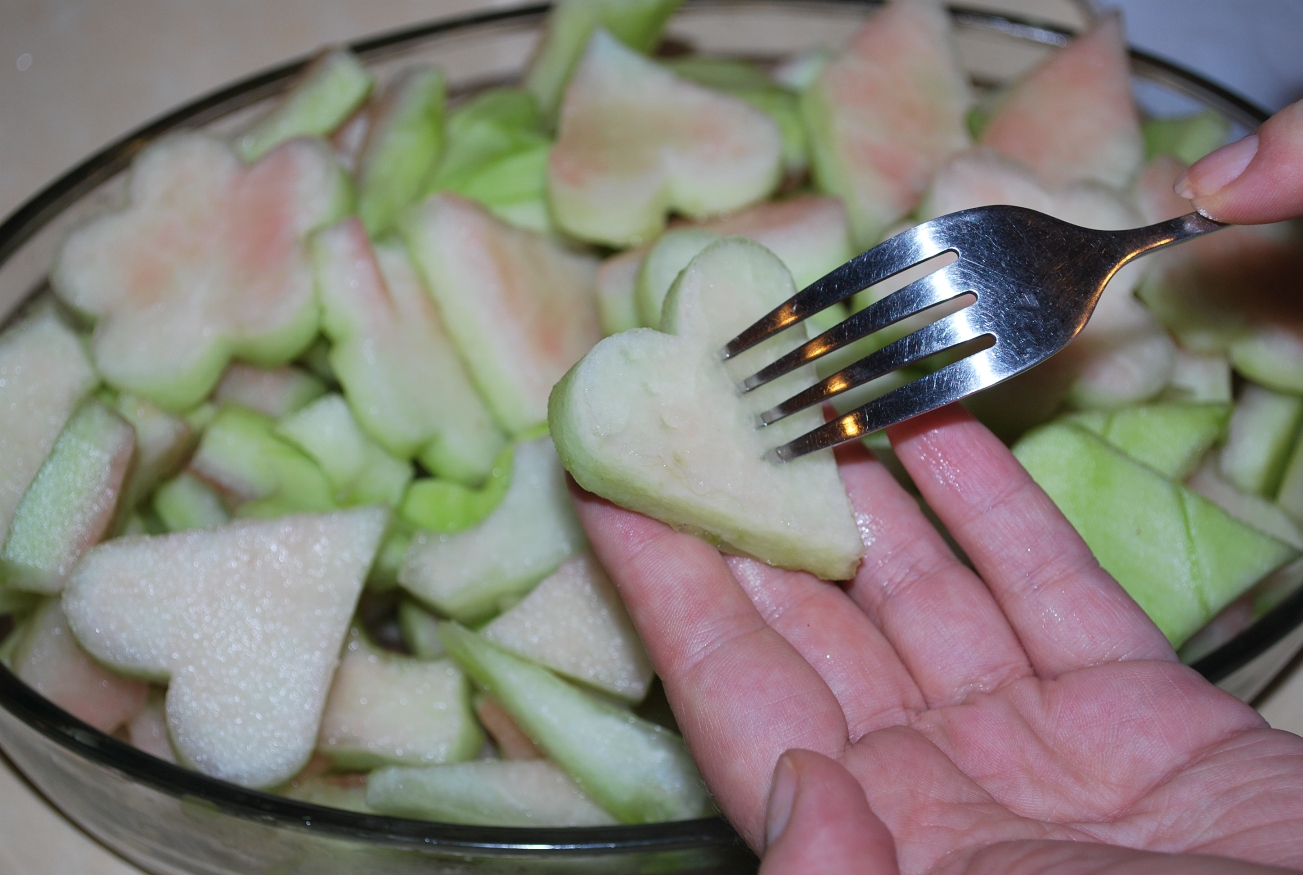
[1213,172]
[781,797]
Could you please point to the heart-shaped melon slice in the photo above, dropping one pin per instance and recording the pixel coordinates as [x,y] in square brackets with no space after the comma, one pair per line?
[207,261]
[636,141]
[245,620]
[654,421]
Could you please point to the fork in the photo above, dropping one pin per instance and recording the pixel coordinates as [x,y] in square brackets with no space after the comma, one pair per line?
[1036,280]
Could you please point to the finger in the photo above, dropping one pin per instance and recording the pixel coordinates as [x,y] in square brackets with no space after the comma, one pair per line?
[819,822]
[1254,180]
[740,693]
[1067,611]
[939,617]
[832,634]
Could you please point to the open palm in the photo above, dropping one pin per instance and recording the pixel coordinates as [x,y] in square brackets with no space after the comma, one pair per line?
[1026,717]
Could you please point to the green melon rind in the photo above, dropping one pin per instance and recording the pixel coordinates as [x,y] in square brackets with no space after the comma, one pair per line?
[401,148]
[638,771]
[325,95]
[1170,438]
[275,391]
[420,630]
[438,505]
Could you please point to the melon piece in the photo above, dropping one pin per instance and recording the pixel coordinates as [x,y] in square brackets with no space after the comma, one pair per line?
[444,506]
[273,597]
[886,114]
[17,603]
[163,443]
[638,771]
[1179,556]
[513,188]
[327,92]
[468,575]
[401,147]
[491,126]
[1186,138]
[1271,355]
[1262,434]
[347,792]
[512,743]
[661,266]
[44,373]
[70,503]
[357,468]
[574,623]
[241,454]
[654,422]
[420,630]
[1199,378]
[520,308]
[801,70]
[569,28]
[348,138]
[487,793]
[385,709]
[1253,509]
[207,261]
[400,373]
[48,659]
[147,730]
[1170,438]
[617,281]
[1074,118]
[1290,494]
[274,391]
[186,502]
[635,141]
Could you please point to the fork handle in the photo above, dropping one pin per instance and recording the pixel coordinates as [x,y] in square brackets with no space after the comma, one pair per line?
[1142,241]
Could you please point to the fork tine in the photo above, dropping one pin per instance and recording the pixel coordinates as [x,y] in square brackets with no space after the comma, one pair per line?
[870,267]
[935,288]
[955,381]
[954,329]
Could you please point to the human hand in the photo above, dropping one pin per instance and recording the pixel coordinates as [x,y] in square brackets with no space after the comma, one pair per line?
[928,719]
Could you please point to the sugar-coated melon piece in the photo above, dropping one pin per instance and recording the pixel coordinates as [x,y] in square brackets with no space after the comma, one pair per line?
[444,506]
[617,282]
[1263,515]
[886,113]
[44,373]
[206,262]
[510,740]
[468,575]
[574,623]
[570,26]
[1074,117]
[274,391]
[1263,431]
[147,730]
[325,95]
[358,468]
[487,793]
[1180,556]
[48,659]
[1170,438]
[636,141]
[387,709]
[654,422]
[401,147]
[186,502]
[638,771]
[273,597]
[420,630]
[1199,378]
[520,308]
[1186,138]
[163,443]
[71,501]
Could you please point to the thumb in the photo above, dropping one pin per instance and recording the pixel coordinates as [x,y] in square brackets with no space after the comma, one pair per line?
[820,822]
[1254,180]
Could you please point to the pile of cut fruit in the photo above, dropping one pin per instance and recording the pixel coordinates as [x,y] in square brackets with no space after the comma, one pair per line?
[283,484]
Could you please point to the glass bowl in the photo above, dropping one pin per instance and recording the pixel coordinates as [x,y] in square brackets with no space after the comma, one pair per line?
[166,819]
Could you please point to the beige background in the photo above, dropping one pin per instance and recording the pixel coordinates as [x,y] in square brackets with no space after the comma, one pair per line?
[74,75]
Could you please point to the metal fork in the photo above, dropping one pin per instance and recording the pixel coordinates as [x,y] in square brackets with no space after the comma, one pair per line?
[1036,280]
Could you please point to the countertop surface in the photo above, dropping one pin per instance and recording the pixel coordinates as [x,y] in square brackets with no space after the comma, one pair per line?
[75,74]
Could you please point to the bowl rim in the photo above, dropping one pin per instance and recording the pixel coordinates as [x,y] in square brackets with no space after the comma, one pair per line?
[55,724]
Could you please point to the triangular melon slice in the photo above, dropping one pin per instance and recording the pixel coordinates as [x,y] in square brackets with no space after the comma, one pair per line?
[575,624]
[273,597]
[1074,118]
[520,308]
[207,261]
[635,141]
[886,113]
[654,421]
[44,372]
[1170,438]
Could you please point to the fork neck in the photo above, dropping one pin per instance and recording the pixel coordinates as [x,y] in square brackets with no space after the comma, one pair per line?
[1142,241]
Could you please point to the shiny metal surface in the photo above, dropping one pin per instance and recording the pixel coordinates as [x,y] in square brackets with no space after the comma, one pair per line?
[1033,279]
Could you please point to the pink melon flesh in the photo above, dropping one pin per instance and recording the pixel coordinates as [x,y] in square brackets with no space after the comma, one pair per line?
[520,308]
[273,391]
[207,261]
[1074,117]
[810,234]
[886,113]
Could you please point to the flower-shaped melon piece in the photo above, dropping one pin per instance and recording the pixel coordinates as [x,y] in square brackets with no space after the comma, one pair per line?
[886,113]
[635,141]
[654,422]
[207,261]
[246,621]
